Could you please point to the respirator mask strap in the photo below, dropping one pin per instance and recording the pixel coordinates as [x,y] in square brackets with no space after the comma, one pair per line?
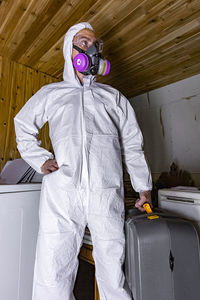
[78,49]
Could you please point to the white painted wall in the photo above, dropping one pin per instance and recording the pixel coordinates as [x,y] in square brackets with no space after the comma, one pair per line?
[169,118]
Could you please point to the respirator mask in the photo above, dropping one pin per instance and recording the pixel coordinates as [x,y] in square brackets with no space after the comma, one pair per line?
[90,61]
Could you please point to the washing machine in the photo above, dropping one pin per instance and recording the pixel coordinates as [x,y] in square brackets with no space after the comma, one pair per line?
[19,220]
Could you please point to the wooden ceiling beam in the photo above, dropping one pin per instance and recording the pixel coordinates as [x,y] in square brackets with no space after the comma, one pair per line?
[55,53]
[44,16]
[127,62]
[158,53]
[112,8]
[49,37]
[152,34]
[136,22]
[166,74]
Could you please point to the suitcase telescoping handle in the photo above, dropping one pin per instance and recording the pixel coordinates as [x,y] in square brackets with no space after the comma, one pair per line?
[148,209]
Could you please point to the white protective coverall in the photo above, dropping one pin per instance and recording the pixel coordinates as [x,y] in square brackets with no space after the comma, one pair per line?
[92,128]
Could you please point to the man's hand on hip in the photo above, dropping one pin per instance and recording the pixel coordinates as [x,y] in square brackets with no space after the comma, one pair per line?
[144,197]
[49,166]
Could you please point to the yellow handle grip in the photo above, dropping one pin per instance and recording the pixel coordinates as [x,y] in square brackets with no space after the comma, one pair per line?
[147,207]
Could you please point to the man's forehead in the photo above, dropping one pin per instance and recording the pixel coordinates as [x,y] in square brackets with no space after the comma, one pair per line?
[87,33]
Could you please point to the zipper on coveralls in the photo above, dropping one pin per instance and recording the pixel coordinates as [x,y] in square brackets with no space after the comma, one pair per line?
[84,171]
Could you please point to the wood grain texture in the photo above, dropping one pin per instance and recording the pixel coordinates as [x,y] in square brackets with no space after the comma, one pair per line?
[17,84]
[150,43]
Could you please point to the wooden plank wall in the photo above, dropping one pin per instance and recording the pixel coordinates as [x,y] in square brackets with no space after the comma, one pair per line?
[17,84]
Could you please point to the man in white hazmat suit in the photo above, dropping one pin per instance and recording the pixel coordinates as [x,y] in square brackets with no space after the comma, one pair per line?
[93,129]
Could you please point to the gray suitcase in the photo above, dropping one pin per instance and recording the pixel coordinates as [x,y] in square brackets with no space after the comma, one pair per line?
[162,259]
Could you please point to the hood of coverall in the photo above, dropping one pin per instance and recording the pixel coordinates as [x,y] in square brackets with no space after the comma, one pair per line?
[69,74]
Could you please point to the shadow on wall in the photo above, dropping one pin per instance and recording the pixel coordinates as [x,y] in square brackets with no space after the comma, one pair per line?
[175,177]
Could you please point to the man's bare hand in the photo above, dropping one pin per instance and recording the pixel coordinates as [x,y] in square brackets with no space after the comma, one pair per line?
[49,166]
[144,197]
